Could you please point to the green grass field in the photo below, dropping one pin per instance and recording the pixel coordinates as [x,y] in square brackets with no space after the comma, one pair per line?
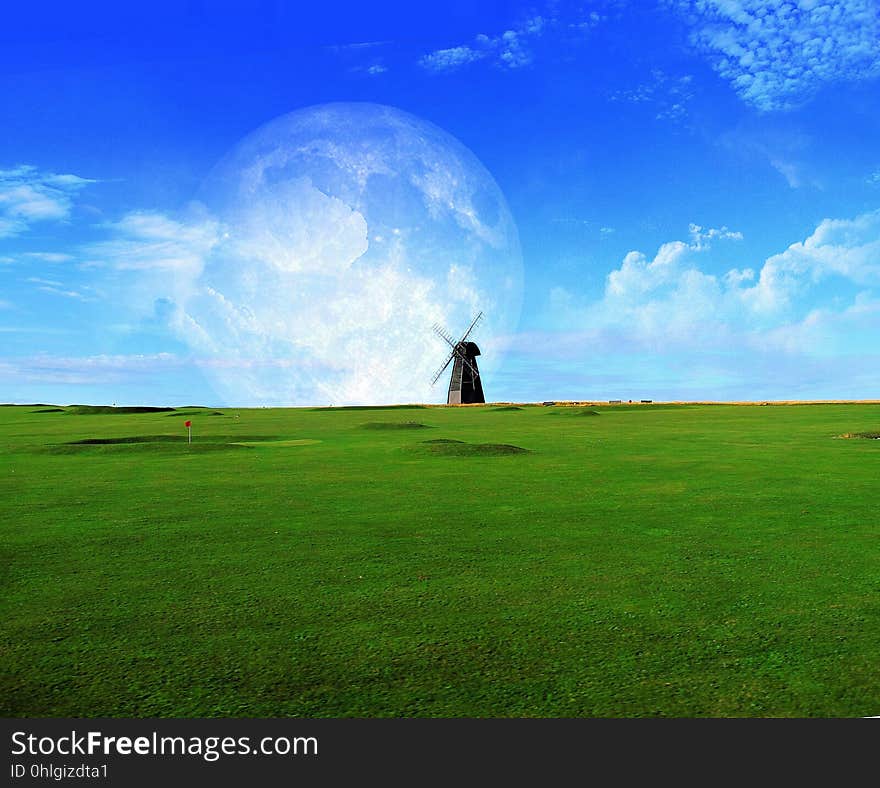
[633,561]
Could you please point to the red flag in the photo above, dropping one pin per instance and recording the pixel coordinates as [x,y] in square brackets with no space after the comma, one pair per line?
[187,424]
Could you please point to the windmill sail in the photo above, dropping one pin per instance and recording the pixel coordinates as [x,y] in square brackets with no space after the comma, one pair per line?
[443,367]
[467,333]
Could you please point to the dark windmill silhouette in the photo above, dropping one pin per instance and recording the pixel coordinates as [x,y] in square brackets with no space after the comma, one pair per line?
[465,386]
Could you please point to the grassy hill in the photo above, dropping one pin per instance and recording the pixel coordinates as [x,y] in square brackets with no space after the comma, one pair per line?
[481,561]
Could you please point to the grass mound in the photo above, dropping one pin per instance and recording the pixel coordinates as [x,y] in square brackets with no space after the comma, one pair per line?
[869,435]
[155,448]
[453,448]
[129,439]
[574,412]
[160,444]
[371,407]
[194,413]
[506,408]
[201,440]
[393,425]
[49,410]
[100,410]
[271,444]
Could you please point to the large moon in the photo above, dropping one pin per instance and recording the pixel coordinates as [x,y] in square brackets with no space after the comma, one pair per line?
[348,231]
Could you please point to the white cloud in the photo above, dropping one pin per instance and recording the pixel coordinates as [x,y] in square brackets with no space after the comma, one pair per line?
[75,294]
[788,170]
[29,195]
[591,229]
[155,242]
[641,290]
[663,299]
[276,311]
[451,59]
[150,257]
[668,96]
[828,331]
[512,48]
[512,52]
[330,333]
[46,282]
[807,318]
[53,258]
[373,70]
[85,370]
[736,277]
[369,53]
[47,257]
[701,237]
[775,55]
[847,248]
[103,368]
[786,151]
[299,229]
[358,46]
[54,287]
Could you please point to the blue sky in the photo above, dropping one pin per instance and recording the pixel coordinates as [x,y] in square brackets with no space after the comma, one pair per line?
[695,183]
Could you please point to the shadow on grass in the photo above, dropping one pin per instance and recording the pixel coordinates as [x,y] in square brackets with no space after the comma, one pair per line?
[171,439]
[102,410]
[447,447]
[394,425]
[195,413]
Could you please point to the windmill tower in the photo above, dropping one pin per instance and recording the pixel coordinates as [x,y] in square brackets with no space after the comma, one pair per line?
[465,386]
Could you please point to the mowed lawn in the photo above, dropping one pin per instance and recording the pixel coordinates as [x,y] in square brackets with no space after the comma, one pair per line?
[635,561]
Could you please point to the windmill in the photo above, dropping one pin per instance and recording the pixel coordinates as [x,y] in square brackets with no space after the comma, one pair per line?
[465,386]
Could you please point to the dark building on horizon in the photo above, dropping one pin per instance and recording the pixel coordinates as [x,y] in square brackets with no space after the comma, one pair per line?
[465,386]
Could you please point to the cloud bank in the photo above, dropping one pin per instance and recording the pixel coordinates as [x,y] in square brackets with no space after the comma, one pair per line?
[803,323]
[775,55]
[29,195]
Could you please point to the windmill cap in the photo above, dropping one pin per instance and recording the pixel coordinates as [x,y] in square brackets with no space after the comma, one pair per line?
[471,349]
